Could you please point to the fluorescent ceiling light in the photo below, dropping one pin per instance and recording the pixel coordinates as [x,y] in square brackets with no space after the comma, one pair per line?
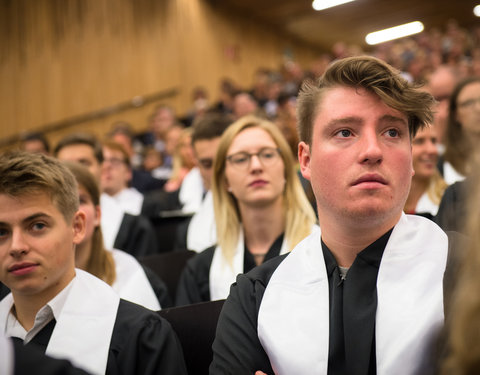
[324,4]
[394,32]
[476,10]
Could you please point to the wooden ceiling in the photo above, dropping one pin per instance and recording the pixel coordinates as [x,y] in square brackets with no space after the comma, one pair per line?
[350,22]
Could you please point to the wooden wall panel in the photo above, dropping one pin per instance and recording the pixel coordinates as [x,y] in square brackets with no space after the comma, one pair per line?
[60,59]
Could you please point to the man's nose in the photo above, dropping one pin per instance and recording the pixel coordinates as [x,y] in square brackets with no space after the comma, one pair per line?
[18,244]
[371,151]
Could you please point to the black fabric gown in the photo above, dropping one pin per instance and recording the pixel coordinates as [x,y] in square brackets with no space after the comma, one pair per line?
[142,343]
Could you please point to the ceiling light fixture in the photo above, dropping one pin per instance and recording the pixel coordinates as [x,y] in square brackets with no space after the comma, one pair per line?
[476,10]
[324,4]
[394,32]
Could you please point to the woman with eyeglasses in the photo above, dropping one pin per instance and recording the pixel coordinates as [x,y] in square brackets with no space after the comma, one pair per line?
[261,210]
[463,130]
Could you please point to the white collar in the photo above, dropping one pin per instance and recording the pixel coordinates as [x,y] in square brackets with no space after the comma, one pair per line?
[84,328]
[51,310]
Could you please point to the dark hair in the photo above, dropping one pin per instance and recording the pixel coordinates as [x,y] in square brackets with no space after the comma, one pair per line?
[373,75]
[210,125]
[84,139]
[37,136]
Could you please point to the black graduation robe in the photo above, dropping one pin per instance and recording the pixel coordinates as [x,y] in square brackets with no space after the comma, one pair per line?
[194,284]
[142,343]
[237,348]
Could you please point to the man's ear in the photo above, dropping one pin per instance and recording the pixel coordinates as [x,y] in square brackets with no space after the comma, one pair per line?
[79,227]
[304,159]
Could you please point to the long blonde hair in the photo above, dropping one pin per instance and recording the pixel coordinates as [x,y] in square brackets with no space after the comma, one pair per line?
[299,214]
[436,188]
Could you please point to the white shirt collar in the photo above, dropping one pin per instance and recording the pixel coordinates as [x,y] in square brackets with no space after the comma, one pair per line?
[44,316]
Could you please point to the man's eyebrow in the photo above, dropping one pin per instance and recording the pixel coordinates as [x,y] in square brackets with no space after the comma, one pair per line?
[28,218]
[35,216]
[350,120]
[391,118]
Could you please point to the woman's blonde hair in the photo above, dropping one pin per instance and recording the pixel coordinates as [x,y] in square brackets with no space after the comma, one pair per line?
[463,342]
[100,263]
[299,214]
[436,188]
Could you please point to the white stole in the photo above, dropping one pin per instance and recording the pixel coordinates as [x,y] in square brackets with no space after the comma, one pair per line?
[83,331]
[425,204]
[131,282]
[293,321]
[222,274]
[111,219]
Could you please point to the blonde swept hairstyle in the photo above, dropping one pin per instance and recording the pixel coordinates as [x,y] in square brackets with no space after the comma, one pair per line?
[23,173]
[100,262]
[299,214]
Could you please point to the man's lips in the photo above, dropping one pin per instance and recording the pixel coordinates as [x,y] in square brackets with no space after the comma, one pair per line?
[370,178]
[22,268]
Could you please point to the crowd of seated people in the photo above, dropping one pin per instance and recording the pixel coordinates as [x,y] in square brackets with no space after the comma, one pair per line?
[193,169]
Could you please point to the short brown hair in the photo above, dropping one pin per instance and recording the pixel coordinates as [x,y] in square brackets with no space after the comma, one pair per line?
[25,173]
[373,75]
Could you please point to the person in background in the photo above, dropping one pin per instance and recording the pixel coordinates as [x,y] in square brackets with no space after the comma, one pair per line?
[35,142]
[260,209]
[66,312]
[364,296]
[131,233]
[440,83]
[117,268]
[183,160]
[463,130]
[116,177]
[427,186]
[122,133]
[207,130]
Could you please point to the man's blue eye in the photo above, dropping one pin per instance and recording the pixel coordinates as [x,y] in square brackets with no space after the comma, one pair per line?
[392,132]
[345,133]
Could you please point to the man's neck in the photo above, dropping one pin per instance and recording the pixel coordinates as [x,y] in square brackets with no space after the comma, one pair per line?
[345,242]
[26,306]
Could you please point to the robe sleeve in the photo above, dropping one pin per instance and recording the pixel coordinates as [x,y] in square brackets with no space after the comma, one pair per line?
[143,343]
[194,283]
[237,349]
[30,360]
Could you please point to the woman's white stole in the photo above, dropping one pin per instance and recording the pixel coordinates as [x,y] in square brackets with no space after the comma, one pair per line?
[222,275]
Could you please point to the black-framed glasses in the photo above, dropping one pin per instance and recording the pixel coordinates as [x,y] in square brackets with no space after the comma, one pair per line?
[267,156]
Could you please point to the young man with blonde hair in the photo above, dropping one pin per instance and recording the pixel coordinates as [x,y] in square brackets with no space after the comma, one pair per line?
[64,311]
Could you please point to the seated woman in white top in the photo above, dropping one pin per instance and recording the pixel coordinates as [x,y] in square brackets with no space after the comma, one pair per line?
[428,185]
[117,268]
[261,210]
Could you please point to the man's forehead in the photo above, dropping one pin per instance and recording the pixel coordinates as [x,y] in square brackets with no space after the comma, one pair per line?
[206,146]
